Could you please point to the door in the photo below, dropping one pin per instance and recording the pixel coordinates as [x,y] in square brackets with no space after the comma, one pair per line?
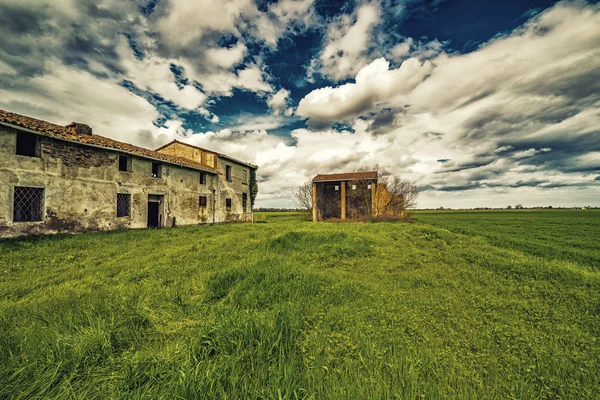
[155,211]
[153,214]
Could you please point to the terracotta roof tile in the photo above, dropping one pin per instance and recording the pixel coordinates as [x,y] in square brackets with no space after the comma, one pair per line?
[68,133]
[348,176]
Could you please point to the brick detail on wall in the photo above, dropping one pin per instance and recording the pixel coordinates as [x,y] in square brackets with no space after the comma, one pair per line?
[73,155]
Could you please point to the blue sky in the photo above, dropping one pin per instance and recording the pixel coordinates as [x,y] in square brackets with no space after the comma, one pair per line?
[482,103]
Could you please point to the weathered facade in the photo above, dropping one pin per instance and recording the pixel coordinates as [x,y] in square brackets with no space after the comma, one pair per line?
[66,179]
[343,196]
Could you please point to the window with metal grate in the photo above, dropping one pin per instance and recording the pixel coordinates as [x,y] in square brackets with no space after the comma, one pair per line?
[29,204]
[123,205]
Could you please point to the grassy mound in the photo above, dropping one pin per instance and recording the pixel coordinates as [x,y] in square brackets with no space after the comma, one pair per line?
[454,307]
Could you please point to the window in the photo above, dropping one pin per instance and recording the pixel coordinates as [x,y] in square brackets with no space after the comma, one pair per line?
[228,172]
[29,204]
[245,201]
[353,187]
[228,204]
[202,202]
[27,144]
[244,176]
[156,170]
[369,186]
[124,163]
[203,178]
[123,205]
[337,187]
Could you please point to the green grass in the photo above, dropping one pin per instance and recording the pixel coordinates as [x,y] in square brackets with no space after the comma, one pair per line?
[570,235]
[457,305]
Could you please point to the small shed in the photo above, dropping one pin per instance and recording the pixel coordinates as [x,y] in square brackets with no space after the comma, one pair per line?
[343,196]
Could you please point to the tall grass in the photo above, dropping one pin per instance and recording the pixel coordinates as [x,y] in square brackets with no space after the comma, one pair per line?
[294,310]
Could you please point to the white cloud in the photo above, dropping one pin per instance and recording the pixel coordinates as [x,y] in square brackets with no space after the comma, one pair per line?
[188,22]
[226,57]
[279,103]
[69,94]
[153,74]
[517,118]
[374,84]
[347,42]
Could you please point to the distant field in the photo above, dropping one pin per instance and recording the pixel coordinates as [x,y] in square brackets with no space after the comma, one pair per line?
[570,235]
[458,305]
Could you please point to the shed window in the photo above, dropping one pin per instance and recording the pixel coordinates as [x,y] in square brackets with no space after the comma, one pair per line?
[202,202]
[228,204]
[228,172]
[29,204]
[156,170]
[28,144]
[124,163]
[203,178]
[123,205]
[245,201]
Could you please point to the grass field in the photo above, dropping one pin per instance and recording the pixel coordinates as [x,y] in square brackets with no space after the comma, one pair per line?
[456,305]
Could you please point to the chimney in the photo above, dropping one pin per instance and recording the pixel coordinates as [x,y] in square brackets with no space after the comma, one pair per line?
[79,128]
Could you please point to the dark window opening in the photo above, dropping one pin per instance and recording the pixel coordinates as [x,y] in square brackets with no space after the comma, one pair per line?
[29,204]
[245,201]
[228,172]
[156,170]
[124,163]
[202,201]
[123,205]
[203,178]
[27,144]
[228,204]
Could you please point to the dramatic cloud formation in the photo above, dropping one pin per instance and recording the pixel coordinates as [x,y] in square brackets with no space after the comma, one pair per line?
[302,87]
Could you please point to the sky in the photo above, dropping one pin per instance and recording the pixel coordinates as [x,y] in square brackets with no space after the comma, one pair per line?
[480,103]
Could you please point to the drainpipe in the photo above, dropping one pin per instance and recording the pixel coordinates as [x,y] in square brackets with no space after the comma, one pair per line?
[214,201]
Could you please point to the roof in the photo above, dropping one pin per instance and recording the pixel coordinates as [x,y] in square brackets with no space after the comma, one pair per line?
[68,133]
[348,176]
[209,151]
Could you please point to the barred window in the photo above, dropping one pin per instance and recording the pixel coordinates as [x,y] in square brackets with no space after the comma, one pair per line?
[202,201]
[123,205]
[228,204]
[245,201]
[29,204]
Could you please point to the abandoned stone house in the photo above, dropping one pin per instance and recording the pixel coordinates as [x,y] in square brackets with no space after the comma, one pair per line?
[57,178]
[343,196]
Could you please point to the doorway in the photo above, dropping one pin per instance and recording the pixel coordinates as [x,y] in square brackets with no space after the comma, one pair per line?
[155,211]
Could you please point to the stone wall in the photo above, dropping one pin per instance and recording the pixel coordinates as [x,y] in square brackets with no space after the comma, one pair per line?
[81,185]
[224,189]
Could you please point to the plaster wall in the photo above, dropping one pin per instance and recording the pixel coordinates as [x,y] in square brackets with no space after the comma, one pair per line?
[81,185]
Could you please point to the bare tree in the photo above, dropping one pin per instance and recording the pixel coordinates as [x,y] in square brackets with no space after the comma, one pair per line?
[303,196]
[395,195]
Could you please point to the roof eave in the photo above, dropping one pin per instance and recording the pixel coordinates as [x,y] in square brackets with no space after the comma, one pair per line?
[104,147]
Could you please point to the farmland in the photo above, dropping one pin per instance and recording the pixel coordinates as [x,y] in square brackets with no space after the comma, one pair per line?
[455,305]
